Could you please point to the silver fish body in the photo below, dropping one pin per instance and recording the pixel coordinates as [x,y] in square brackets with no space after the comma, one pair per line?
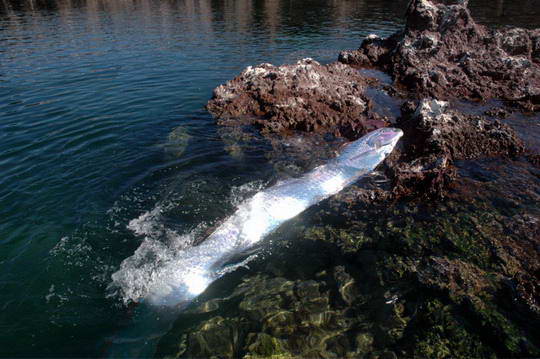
[195,268]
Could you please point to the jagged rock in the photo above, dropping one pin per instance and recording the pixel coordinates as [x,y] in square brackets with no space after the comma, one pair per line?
[436,128]
[405,278]
[436,136]
[305,96]
[444,54]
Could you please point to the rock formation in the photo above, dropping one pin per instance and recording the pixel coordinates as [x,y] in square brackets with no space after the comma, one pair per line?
[443,53]
[305,96]
[380,272]
[435,137]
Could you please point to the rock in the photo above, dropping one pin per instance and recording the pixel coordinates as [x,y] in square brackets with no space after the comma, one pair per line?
[379,272]
[217,335]
[177,142]
[305,96]
[472,258]
[265,346]
[435,136]
[443,53]
[435,128]
[275,318]
[497,112]
[346,285]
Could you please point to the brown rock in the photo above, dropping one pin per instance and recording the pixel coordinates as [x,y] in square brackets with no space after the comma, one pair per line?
[305,96]
[443,53]
[435,128]
[435,136]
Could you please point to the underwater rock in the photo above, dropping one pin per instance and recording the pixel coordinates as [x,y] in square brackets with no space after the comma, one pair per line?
[305,96]
[451,278]
[273,318]
[466,266]
[443,53]
[290,155]
[177,142]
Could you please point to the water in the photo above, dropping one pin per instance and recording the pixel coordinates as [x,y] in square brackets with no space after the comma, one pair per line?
[105,143]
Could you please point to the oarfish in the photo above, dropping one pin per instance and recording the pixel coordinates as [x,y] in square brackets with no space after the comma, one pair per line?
[196,267]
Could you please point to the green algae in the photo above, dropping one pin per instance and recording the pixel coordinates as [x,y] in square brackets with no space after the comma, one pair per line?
[265,346]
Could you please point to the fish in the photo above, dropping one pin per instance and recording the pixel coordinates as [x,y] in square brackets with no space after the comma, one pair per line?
[195,268]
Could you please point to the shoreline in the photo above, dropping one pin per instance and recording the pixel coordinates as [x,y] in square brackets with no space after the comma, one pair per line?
[432,263]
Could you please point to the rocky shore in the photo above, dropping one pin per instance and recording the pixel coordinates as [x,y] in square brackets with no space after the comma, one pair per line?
[443,53]
[438,254]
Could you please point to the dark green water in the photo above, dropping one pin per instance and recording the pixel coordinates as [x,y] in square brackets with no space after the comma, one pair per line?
[104,140]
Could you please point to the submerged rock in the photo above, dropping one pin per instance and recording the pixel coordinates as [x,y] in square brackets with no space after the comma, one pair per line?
[177,142]
[305,96]
[443,53]
[276,317]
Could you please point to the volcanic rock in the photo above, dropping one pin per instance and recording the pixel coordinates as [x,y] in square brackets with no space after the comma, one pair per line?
[435,136]
[443,53]
[305,96]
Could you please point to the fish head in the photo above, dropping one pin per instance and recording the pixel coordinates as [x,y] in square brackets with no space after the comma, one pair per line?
[383,139]
[371,148]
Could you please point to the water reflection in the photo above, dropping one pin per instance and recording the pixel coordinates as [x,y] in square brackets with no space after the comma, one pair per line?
[236,24]
[238,15]
[213,17]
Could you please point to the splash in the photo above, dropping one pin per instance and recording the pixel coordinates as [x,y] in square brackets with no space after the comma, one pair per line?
[162,252]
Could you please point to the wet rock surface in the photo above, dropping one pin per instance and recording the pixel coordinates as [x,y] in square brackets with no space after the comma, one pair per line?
[443,53]
[435,137]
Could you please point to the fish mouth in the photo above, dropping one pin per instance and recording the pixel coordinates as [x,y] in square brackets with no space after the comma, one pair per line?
[385,136]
